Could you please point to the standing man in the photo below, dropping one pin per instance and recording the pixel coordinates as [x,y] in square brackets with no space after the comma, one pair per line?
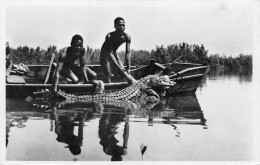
[108,55]
[67,66]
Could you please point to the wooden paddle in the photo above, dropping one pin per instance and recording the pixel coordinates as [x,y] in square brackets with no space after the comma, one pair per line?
[171,63]
[49,69]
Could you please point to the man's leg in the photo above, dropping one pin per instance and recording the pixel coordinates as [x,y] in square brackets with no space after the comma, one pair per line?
[77,71]
[67,73]
[105,65]
[91,74]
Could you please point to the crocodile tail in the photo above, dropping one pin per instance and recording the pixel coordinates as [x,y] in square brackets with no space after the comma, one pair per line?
[63,95]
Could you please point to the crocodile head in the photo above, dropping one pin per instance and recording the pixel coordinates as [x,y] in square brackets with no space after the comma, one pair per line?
[159,83]
[44,98]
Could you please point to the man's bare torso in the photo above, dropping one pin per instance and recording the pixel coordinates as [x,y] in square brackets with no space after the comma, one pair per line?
[114,40]
[69,58]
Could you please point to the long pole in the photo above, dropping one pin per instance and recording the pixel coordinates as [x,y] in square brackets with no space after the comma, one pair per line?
[172,63]
[49,69]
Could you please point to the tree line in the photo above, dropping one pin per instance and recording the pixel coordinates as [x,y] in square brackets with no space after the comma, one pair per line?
[192,53]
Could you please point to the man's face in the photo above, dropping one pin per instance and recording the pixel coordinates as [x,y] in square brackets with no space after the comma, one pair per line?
[77,45]
[120,26]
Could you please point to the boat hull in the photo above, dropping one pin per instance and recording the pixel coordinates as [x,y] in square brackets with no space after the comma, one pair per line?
[187,77]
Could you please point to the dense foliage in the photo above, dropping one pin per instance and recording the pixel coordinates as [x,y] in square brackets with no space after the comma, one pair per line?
[236,63]
[28,55]
[190,53]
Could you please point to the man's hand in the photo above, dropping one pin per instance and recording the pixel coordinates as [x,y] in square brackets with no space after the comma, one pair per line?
[54,93]
[82,82]
[54,90]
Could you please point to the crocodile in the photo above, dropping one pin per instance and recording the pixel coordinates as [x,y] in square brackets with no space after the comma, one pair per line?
[150,88]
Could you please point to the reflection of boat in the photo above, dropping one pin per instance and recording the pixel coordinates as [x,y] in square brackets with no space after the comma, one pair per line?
[179,109]
[186,107]
[187,76]
[175,109]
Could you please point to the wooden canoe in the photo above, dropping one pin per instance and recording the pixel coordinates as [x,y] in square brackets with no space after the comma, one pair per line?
[187,76]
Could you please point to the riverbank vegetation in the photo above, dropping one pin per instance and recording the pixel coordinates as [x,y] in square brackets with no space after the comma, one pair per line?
[190,53]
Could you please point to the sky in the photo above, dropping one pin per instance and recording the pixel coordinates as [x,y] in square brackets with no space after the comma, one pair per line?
[223,27]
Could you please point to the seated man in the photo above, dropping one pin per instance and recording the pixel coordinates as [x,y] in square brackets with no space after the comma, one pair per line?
[67,67]
[108,55]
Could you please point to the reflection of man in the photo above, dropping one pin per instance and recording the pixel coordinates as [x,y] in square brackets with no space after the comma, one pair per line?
[107,131]
[64,128]
[65,132]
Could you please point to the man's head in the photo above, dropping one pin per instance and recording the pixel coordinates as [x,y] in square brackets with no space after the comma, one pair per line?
[77,42]
[74,148]
[119,24]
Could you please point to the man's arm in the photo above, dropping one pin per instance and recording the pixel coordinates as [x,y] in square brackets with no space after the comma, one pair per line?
[83,62]
[113,55]
[57,72]
[57,76]
[127,54]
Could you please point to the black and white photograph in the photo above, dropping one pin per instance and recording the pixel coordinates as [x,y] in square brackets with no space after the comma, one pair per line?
[135,81]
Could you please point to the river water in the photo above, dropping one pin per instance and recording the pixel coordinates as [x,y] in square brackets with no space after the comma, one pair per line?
[215,124]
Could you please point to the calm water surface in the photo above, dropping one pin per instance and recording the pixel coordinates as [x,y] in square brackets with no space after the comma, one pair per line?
[215,124]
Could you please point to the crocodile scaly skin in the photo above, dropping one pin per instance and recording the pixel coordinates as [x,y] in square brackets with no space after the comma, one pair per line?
[129,94]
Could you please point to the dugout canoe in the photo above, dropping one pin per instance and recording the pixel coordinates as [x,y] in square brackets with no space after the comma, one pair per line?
[187,75]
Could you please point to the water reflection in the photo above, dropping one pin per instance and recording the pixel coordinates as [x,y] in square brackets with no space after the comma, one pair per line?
[182,109]
[242,75]
[108,125]
[65,122]
[68,118]
[14,121]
